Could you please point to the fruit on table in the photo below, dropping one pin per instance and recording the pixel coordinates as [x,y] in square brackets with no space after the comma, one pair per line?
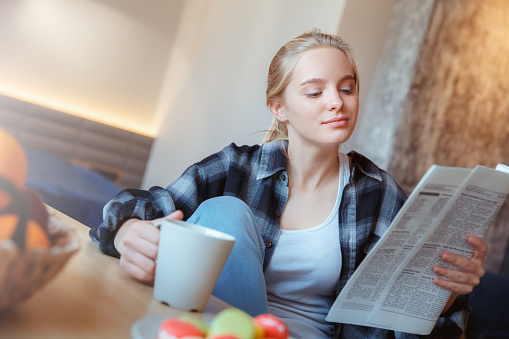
[199,324]
[227,324]
[233,322]
[176,329]
[259,332]
[272,326]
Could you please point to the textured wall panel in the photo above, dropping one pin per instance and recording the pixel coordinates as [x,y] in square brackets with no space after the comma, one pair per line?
[376,128]
[457,110]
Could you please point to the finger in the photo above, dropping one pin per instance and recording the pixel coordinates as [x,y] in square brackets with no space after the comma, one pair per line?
[478,243]
[456,276]
[480,247]
[453,286]
[177,215]
[464,264]
[145,230]
[136,271]
[137,261]
[460,262]
[143,239]
[142,246]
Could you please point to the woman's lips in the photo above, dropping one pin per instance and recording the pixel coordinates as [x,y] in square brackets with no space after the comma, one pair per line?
[336,122]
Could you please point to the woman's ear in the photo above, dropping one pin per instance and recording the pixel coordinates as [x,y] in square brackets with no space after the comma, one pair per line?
[277,109]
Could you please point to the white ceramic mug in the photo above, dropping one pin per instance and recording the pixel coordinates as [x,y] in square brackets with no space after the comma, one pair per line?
[189,261]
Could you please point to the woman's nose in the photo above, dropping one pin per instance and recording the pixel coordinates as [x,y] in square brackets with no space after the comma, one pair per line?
[335,102]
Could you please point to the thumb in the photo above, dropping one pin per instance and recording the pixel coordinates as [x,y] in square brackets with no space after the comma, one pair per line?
[177,215]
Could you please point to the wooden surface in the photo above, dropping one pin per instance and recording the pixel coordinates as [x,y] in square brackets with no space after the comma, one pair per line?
[92,297]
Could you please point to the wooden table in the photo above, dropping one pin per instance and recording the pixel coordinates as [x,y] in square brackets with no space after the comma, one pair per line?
[91,297]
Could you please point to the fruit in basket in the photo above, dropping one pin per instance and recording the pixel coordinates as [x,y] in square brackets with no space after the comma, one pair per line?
[23,215]
[37,227]
[8,223]
[13,164]
[25,220]
[37,209]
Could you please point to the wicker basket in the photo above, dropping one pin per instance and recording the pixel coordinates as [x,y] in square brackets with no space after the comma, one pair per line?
[23,273]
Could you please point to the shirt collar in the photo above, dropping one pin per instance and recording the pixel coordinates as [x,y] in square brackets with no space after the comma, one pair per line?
[273,158]
[365,165]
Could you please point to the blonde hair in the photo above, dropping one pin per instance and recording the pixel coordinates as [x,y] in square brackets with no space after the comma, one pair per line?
[282,66]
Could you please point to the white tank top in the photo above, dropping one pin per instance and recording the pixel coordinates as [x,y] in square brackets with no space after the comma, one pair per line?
[303,273]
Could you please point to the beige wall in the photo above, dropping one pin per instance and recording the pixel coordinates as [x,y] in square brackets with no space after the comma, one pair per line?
[98,58]
[214,92]
[190,72]
[364,25]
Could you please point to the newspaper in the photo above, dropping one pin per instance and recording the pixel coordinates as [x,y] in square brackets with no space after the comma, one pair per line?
[393,287]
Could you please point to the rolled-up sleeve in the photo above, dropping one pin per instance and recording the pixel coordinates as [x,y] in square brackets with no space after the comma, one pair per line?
[185,194]
[130,203]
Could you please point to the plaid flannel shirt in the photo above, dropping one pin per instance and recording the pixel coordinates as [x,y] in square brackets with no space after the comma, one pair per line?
[258,176]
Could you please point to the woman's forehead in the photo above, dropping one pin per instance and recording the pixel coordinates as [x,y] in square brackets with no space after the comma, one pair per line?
[322,63]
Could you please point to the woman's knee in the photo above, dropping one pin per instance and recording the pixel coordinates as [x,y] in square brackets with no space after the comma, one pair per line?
[222,211]
[223,204]
[227,214]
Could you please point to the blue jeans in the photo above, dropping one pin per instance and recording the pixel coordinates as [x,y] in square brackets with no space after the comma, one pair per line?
[241,283]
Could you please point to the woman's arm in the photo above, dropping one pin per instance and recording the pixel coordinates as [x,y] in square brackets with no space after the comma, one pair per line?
[185,194]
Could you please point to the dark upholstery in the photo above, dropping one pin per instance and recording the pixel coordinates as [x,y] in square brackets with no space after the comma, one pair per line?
[490,304]
[79,192]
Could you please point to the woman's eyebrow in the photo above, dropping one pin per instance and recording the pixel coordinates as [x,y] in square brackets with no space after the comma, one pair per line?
[312,81]
[320,80]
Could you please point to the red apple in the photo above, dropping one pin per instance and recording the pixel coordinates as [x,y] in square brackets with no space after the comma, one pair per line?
[178,329]
[272,326]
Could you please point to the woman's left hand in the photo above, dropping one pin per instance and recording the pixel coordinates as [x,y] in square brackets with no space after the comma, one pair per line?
[468,273]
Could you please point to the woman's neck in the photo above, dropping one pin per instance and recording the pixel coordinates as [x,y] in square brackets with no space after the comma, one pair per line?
[309,168]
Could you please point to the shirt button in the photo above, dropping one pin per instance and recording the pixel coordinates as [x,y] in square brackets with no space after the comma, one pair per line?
[268,244]
[283,177]
[277,213]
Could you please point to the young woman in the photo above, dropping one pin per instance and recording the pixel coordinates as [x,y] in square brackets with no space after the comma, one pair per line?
[304,214]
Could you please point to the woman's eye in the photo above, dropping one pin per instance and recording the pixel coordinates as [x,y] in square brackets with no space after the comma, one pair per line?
[346,91]
[314,94]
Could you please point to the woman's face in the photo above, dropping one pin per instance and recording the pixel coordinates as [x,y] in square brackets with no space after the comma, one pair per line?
[320,103]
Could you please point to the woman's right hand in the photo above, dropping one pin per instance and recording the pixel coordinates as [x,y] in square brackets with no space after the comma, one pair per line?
[137,242]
